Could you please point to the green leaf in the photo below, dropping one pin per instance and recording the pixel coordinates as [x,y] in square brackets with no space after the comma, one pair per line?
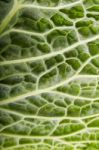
[49,75]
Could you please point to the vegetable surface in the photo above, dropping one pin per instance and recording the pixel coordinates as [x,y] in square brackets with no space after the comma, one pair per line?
[49,74]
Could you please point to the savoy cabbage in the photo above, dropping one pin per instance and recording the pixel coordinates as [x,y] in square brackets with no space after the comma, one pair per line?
[49,74]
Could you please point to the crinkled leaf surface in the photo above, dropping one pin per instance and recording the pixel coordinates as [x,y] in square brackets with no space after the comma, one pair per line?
[49,74]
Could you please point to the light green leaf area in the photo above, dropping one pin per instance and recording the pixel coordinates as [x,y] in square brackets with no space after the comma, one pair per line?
[49,74]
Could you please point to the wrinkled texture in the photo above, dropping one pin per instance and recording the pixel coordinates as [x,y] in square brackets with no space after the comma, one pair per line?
[49,74]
